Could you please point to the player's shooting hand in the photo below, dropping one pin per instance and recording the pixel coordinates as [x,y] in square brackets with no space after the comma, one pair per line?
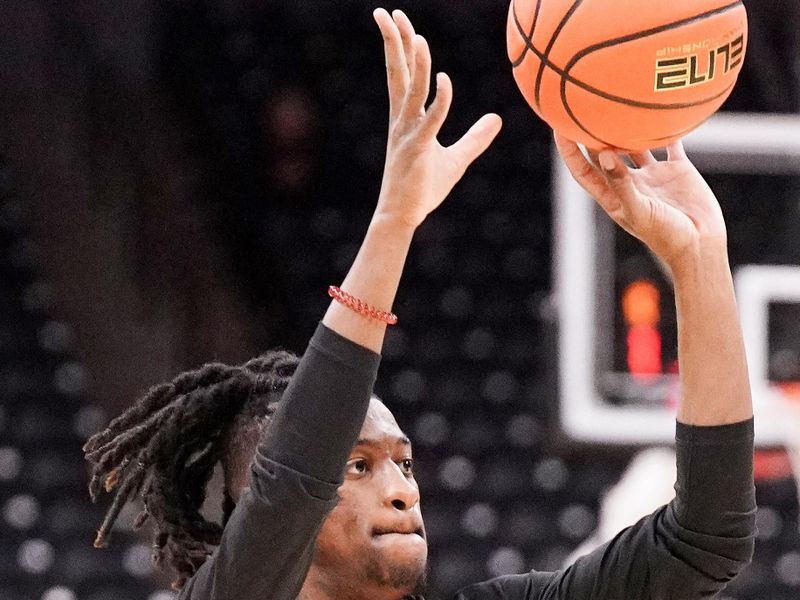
[666,204]
[420,172]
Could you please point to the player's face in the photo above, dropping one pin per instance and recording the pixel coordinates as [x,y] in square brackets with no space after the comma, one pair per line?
[375,535]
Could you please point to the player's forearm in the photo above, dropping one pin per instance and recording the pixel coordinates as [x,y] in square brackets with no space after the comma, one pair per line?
[713,368]
[373,278]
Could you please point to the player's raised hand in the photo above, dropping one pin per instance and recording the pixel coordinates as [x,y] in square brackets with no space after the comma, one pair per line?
[666,204]
[420,172]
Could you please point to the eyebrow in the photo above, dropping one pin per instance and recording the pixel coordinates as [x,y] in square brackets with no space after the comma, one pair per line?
[402,440]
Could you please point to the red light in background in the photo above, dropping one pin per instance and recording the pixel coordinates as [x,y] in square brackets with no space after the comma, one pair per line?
[640,307]
[644,351]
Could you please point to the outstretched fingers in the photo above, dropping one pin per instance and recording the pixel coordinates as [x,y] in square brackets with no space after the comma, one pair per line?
[397,76]
[440,107]
[407,34]
[420,82]
[475,142]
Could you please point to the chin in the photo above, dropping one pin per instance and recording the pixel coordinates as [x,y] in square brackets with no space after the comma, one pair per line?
[400,566]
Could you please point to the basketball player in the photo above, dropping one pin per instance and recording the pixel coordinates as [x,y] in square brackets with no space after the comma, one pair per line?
[321,500]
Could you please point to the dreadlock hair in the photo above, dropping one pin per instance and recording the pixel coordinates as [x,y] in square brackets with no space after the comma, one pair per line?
[164,448]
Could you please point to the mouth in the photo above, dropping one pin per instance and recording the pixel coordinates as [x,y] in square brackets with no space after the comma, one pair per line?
[378,532]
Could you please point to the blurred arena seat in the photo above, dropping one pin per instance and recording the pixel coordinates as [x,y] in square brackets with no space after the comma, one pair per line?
[46,522]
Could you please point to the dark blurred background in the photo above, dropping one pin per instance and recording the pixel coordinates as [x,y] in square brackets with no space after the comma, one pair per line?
[180,181]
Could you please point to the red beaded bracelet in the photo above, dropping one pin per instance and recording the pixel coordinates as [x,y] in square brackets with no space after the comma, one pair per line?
[361,307]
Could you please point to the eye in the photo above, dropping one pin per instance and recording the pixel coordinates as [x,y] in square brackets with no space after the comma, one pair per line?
[357,466]
[407,465]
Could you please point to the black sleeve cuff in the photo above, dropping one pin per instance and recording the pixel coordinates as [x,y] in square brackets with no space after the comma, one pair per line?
[715,434]
[715,493]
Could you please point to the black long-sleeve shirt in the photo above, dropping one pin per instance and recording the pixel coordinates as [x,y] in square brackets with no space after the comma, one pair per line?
[688,549]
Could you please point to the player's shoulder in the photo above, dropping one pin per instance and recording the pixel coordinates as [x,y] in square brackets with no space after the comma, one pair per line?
[526,586]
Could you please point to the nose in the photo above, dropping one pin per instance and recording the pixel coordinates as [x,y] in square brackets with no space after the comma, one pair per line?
[400,492]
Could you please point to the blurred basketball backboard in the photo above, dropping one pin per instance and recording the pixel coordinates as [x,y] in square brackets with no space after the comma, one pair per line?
[617,351]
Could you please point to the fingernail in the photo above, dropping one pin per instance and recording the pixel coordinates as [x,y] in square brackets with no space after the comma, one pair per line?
[606,159]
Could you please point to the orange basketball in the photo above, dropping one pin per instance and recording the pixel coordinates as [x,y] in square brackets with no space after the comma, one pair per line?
[630,74]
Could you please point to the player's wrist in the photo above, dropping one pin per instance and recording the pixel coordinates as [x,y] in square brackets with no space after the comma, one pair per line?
[700,261]
[394,223]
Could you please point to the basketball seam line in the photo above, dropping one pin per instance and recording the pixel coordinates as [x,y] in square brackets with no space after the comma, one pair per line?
[521,57]
[581,84]
[546,56]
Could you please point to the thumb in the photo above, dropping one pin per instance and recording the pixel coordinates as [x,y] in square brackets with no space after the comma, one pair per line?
[619,180]
[638,211]
[614,169]
[476,140]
